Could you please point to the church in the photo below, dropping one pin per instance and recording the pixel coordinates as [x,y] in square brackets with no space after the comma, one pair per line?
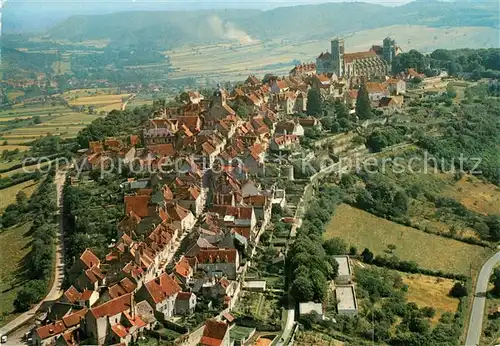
[375,62]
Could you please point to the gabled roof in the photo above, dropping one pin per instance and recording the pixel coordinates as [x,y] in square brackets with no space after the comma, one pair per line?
[89,259]
[50,330]
[162,149]
[374,87]
[176,212]
[162,288]
[94,275]
[139,204]
[86,295]
[184,295]
[182,267]
[75,318]
[72,294]
[119,330]
[350,57]
[217,255]
[214,333]
[112,307]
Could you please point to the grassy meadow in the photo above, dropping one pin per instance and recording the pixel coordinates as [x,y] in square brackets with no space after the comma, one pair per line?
[431,291]
[364,230]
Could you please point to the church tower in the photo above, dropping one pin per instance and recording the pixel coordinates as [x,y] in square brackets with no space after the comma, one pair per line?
[389,49]
[338,56]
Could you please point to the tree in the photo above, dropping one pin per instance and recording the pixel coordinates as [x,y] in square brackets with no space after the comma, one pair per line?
[367,256]
[314,106]
[496,281]
[37,120]
[458,290]
[21,198]
[363,107]
[302,289]
[450,91]
[428,311]
[30,293]
[335,246]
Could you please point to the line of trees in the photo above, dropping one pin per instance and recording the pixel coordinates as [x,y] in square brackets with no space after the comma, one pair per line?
[308,265]
[41,208]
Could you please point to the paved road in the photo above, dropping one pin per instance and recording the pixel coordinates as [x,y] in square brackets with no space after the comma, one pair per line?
[476,317]
[55,291]
[287,330]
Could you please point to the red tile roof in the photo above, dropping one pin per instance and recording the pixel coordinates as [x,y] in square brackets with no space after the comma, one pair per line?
[162,149]
[182,267]
[139,204]
[136,321]
[162,288]
[86,295]
[214,333]
[214,255]
[72,294]
[112,307]
[75,318]
[374,87]
[176,212]
[228,317]
[89,259]
[120,330]
[184,295]
[243,231]
[192,122]
[94,274]
[50,330]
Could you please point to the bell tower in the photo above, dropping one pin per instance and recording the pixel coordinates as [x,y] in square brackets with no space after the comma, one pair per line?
[337,49]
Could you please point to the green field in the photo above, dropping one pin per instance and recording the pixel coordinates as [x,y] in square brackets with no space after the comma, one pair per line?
[364,230]
[16,245]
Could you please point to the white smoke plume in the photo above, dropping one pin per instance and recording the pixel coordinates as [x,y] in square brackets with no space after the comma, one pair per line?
[229,31]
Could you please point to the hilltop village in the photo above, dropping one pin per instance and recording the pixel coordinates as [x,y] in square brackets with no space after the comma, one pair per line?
[212,174]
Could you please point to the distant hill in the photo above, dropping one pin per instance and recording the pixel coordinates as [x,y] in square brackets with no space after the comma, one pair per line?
[171,29]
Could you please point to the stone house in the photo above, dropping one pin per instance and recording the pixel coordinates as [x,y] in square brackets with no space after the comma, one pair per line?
[161,294]
[219,262]
[185,303]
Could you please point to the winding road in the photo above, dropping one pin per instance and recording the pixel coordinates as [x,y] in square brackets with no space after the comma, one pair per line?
[479,303]
[56,289]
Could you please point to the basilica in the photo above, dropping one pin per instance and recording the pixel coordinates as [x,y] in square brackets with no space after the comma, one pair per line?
[375,62]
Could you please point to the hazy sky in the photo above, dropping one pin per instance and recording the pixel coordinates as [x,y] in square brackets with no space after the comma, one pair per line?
[215,3]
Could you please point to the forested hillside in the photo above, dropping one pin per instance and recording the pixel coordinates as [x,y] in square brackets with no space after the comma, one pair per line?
[171,29]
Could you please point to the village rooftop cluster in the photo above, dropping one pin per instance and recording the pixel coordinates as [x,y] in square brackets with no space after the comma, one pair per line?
[219,208]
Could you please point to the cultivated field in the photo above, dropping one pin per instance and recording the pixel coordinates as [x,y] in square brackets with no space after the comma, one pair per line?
[11,258]
[8,195]
[277,56]
[14,147]
[431,291]
[62,121]
[365,230]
